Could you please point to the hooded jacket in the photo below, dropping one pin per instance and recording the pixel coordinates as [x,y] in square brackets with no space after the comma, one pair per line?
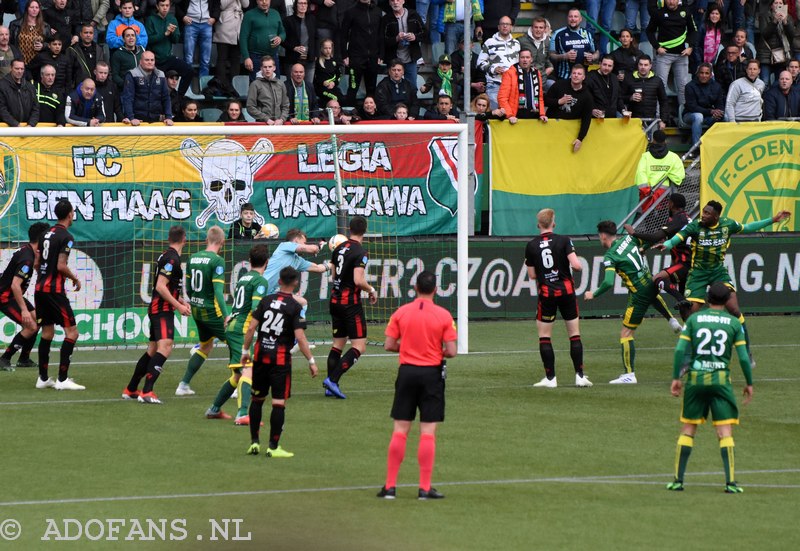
[116,28]
[656,163]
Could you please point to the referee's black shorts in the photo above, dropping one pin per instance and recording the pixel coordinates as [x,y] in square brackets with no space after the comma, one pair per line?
[419,388]
[547,307]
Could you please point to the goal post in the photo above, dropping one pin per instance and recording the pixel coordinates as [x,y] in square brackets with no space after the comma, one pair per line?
[43,164]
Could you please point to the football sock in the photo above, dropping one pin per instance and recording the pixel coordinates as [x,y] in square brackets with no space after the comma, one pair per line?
[397,451]
[661,307]
[576,353]
[245,389]
[255,412]
[16,343]
[154,368]
[66,353]
[44,357]
[682,453]
[333,360]
[746,333]
[349,359]
[548,357]
[224,393]
[139,371]
[667,286]
[628,354]
[426,454]
[726,451]
[276,419]
[194,365]
[27,346]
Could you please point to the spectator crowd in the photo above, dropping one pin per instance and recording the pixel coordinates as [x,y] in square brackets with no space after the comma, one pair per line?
[87,62]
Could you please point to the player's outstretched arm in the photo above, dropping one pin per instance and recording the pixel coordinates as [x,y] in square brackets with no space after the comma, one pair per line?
[761,224]
[608,283]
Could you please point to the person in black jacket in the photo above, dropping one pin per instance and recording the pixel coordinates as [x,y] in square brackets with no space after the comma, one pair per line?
[730,67]
[50,98]
[301,40]
[85,106]
[86,53]
[569,100]
[705,102]
[302,99]
[361,40]
[673,34]
[401,32]
[604,86]
[18,98]
[444,111]
[396,89]
[64,63]
[781,100]
[644,93]
[108,92]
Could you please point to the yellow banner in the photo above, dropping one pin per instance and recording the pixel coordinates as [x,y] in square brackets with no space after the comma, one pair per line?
[532,158]
[753,169]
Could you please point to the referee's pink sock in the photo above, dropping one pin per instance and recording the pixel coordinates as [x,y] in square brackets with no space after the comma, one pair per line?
[426,454]
[397,451]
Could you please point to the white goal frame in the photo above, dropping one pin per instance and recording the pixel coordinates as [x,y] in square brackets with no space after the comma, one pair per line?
[464,191]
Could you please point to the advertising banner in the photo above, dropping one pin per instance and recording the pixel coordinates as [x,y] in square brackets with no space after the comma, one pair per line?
[533,167]
[117,283]
[753,169]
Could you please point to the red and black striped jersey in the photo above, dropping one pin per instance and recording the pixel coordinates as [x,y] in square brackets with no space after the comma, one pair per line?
[21,266]
[682,252]
[278,315]
[169,266]
[55,242]
[346,258]
[548,254]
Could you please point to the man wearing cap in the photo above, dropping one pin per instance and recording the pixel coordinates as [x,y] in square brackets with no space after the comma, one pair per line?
[175,97]
[163,32]
[445,81]
[521,94]
[498,53]
[401,31]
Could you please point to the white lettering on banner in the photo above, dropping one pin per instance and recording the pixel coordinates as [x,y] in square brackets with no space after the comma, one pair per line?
[292,202]
[41,204]
[102,159]
[353,157]
[453,266]
[751,280]
[788,273]
[129,204]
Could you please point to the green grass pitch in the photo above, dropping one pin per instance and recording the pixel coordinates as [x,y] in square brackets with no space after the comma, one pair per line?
[522,468]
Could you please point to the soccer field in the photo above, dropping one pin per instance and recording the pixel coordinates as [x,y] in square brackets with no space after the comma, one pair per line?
[522,468]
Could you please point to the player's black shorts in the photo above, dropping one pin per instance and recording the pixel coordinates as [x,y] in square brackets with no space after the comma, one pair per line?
[162,326]
[419,387]
[547,307]
[678,273]
[53,309]
[348,321]
[12,311]
[275,377]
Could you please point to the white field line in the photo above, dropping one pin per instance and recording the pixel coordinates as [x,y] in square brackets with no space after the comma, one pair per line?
[620,479]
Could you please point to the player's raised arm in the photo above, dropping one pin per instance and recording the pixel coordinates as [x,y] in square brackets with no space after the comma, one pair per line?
[607,283]
[761,224]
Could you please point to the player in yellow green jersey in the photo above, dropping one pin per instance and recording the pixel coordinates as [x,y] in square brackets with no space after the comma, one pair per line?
[623,258]
[205,284]
[250,289]
[710,239]
[709,339]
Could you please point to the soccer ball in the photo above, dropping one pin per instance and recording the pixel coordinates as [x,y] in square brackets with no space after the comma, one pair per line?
[336,240]
[270,231]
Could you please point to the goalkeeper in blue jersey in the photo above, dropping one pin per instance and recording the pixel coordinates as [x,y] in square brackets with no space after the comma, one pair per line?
[709,338]
[288,254]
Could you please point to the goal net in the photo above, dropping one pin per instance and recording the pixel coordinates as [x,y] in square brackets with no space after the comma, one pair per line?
[130,185]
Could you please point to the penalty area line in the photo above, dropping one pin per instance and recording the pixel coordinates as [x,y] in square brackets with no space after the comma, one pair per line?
[608,479]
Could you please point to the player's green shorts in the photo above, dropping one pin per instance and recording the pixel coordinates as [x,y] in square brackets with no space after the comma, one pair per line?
[235,342]
[208,327]
[698,400]
[699,280]
[638,303]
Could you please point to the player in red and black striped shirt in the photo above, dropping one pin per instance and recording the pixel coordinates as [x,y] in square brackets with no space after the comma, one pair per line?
[348,266]
[166,299]
[278,322]
[549,258]
[13,284]
[52,305]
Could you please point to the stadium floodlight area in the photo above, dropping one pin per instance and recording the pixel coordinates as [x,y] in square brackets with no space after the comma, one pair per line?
[129,185]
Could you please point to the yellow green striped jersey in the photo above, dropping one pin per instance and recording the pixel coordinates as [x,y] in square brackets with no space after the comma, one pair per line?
[203,270]
[250,289]
[712,336]
[623,256]
[709,245]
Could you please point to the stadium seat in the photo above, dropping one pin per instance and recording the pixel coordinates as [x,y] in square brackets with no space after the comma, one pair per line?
[194,91]
[427,95]
[210,114]
[247,116]
[241,83]
[617,22]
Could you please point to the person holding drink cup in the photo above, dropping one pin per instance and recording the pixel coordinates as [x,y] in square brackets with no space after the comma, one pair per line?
[163,32]
[301,40]
[644,93]
[29,31]
[261,35]
[604,86]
